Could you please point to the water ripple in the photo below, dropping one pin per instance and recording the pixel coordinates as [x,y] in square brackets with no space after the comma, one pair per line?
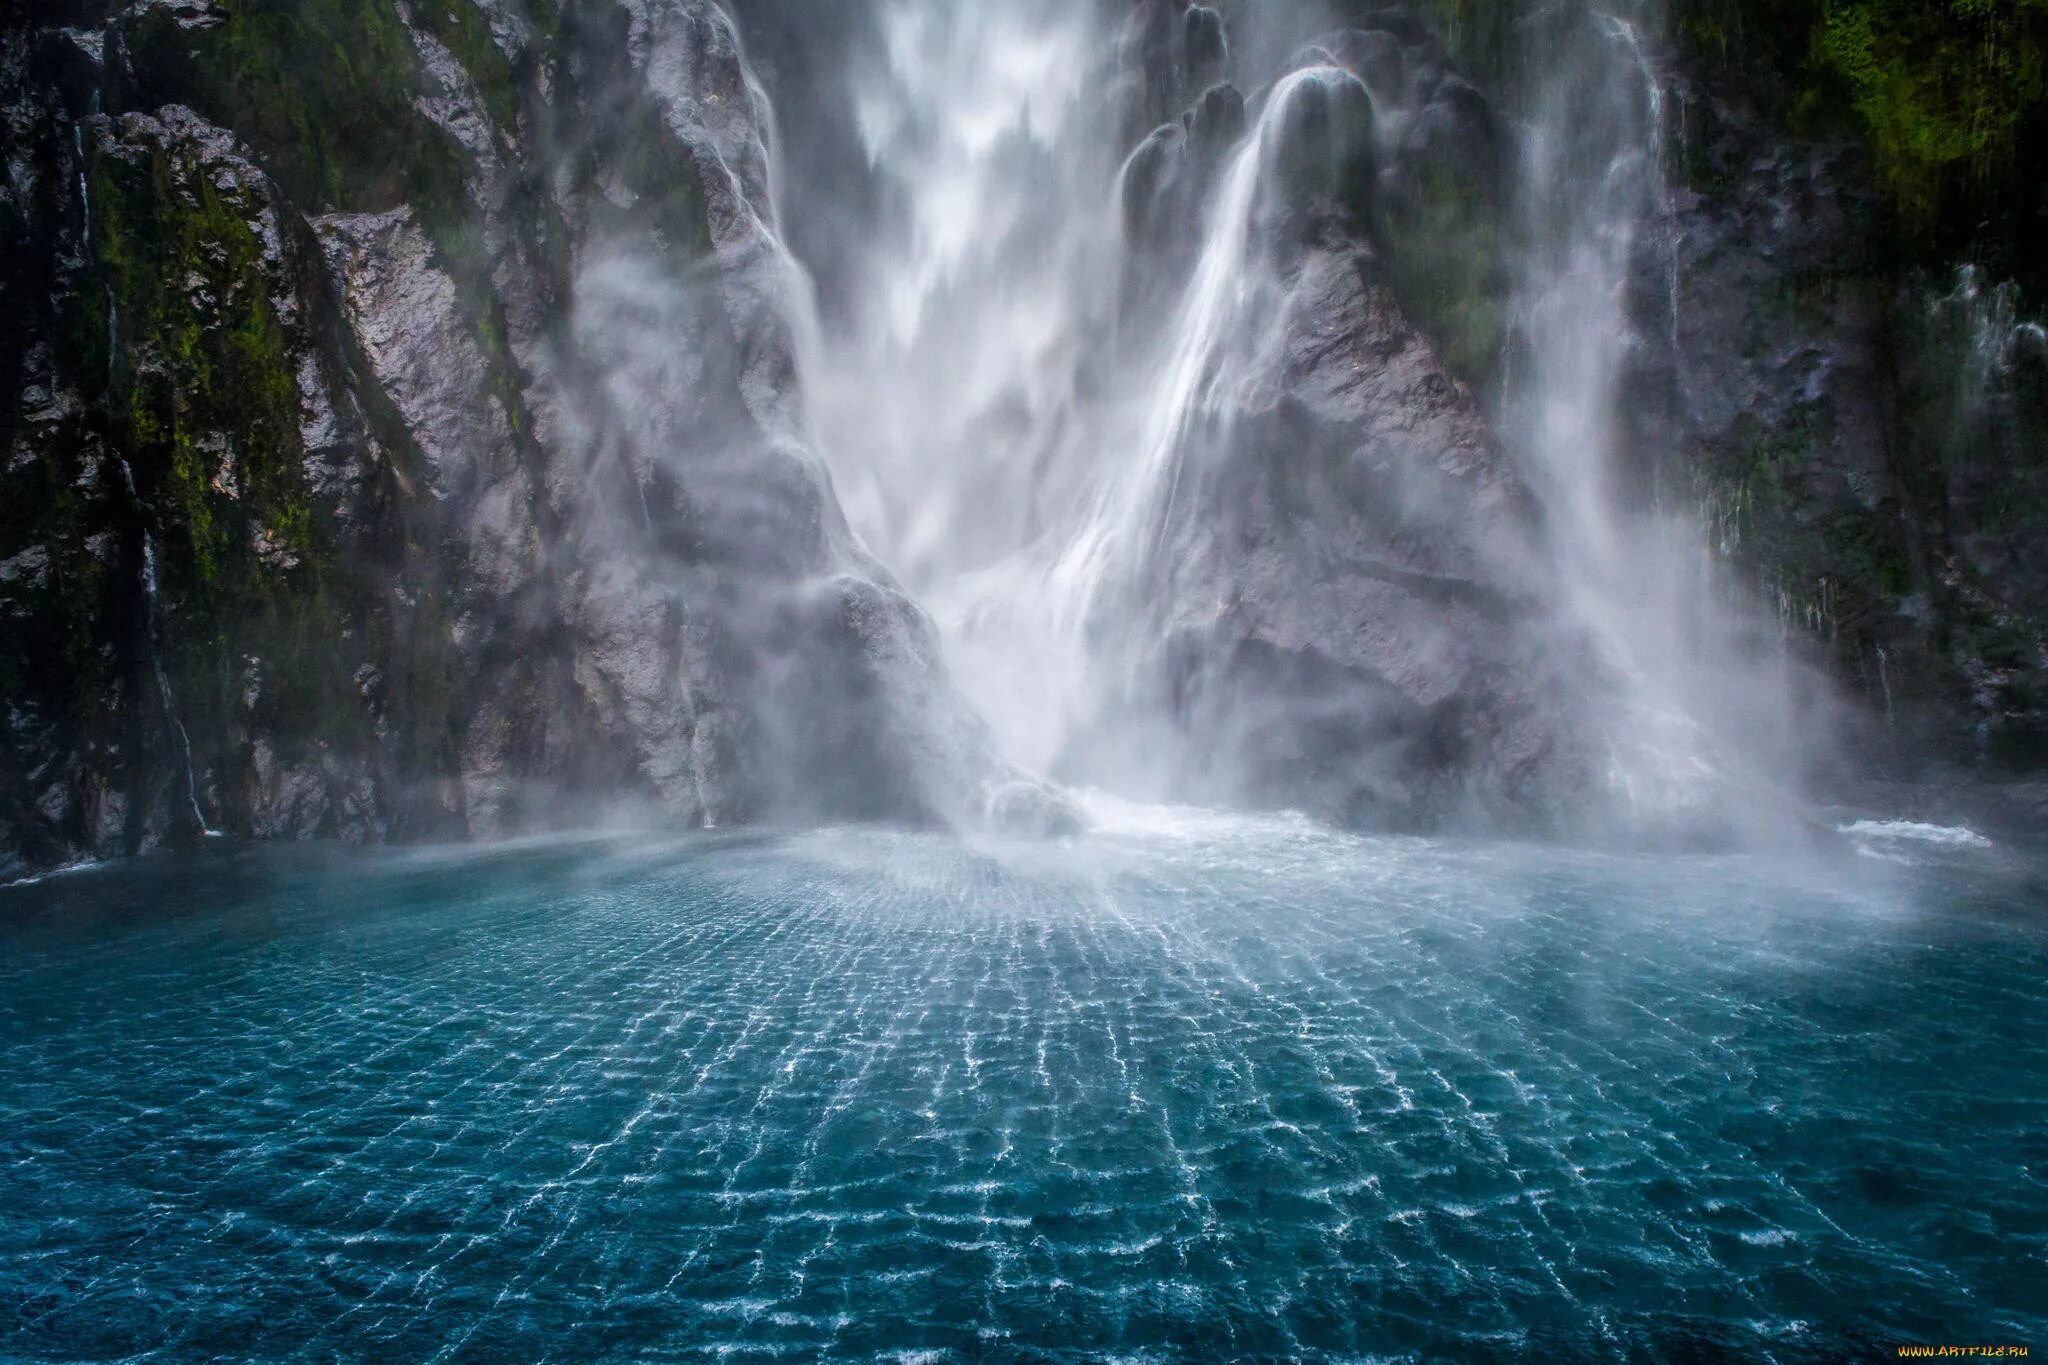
[1189,1089]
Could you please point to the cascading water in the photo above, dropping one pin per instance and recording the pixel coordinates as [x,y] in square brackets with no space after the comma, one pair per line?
[1229,312]
[999,436]
[84,188]
[1996,340]
[1152,416]
[952,396]
[174,726]
[962,402]
[1704,713]
[1011,437]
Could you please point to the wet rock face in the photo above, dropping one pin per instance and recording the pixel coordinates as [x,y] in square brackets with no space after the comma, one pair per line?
[1363,629]
[1830,421]
[412,448]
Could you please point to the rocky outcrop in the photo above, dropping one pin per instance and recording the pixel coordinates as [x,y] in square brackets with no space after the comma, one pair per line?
[408,442]
[1363,627]
[1357,618]
[409,445]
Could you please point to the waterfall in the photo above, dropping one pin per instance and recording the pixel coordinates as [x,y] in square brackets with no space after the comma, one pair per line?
[952,399]
[84,189]
[1120,532]
[163,684]
[1105,561]
[1995,339]
[1654,128]
[1016,443]
[1001,440]
[1884,679]
[967,398]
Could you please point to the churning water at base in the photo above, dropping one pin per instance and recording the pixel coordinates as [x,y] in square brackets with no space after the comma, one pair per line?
[1192,1088]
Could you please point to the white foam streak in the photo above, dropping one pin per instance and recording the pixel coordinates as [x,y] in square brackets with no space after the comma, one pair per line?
[1913,832]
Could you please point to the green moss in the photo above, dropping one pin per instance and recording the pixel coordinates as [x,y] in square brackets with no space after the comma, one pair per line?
[1950,95]
[462,29]
[202,402]
[662,176]
[1766,493]
[1942,89]
[322,90]
[1442,245]
[1840,573]
[1869,555]
[1479,34]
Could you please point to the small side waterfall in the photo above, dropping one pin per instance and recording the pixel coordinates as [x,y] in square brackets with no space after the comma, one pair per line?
[151,608]
[1230,308]
[1995,339]
[163,685]
[1704,715]
[84,187]
[1658,134]
[174,726]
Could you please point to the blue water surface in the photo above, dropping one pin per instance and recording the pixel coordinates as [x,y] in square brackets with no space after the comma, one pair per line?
[1187,1088]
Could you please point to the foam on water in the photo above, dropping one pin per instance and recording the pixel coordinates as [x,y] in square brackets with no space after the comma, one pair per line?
[65,870]
[1910,831]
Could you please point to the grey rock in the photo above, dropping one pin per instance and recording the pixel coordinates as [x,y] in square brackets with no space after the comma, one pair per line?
[1361,626]
[579,555]
[1810,403]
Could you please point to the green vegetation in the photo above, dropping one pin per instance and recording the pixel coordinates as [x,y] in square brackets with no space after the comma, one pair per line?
[202,350]
[461,28]
[1479,34]
[660,173]
[1950,95]
[1838,573]
[1944,90]
[201,399]
[1443,247]
[322,90]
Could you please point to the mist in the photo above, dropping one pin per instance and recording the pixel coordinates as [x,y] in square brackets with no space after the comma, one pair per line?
[920,412]
[1076,262]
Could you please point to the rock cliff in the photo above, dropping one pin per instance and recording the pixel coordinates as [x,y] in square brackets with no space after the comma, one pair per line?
[401,440]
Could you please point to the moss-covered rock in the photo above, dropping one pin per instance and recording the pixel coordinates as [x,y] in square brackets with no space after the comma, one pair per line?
[1815,395]
[1444,245]
[296,494]
[1950,97]
[272,613]
[322,90]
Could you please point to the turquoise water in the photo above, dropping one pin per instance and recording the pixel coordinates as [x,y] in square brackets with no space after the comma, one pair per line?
[1188,1088]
